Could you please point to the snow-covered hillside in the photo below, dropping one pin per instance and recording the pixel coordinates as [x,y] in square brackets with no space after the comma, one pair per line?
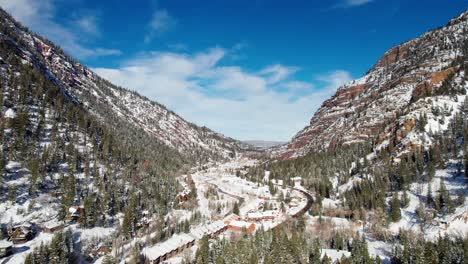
[110,103]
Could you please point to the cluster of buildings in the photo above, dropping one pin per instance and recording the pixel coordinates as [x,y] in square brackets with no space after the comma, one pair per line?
[179,242]
[26,231]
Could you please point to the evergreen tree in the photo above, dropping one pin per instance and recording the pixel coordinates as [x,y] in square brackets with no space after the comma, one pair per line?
[314,254]
[326,259]
[405,199]
[202,254]
[235,209]
[395,212]
[443,203]
[429,197]
[430,171]
[465,159]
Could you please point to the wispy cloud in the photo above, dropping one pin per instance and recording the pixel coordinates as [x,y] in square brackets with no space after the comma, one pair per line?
[201,88]
[88,24]
[40,17]
[161,22]
[277,72]
[351,3]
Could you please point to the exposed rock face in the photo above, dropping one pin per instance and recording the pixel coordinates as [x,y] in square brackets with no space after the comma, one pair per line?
[371,107]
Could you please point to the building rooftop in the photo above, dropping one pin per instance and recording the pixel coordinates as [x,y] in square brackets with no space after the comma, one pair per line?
[240,224]
[269,213]
[173,243]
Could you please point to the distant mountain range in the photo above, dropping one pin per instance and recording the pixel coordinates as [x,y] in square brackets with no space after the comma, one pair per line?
[263,144]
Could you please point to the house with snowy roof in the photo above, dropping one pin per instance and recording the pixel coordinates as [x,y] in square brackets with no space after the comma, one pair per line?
[169,248]
[75,212]
[239,226]
[212,230]
[21,233]
[52,226]
[268,215]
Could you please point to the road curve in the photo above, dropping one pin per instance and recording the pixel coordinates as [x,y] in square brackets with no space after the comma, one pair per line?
[306,208]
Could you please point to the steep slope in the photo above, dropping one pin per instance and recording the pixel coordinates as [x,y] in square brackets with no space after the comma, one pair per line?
[55,154]
[384,106]
[112,104]
[76,151]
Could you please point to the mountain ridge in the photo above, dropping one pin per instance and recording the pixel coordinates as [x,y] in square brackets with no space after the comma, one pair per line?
[101,97]
[371,107]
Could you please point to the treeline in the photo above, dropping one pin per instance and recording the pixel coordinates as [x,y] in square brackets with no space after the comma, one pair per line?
[282,245]
[290,245]
[444,250]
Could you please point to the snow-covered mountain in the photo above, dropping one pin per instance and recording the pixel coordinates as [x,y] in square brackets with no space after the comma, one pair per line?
[110,103]
[423,76]
[263,144]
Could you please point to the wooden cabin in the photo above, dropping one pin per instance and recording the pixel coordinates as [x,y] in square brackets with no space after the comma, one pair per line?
[52,227]
[21,234]
[75,212]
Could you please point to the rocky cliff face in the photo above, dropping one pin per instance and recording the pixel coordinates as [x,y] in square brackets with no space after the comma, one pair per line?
[109,102]
[383,105]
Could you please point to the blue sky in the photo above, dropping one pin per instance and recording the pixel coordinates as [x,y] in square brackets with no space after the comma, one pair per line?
[248,69]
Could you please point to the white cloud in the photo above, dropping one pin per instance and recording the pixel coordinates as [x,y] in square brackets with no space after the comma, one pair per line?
[278,72]
[39,16]
[88,24]
[160,23]
[228,99]
[352,3]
